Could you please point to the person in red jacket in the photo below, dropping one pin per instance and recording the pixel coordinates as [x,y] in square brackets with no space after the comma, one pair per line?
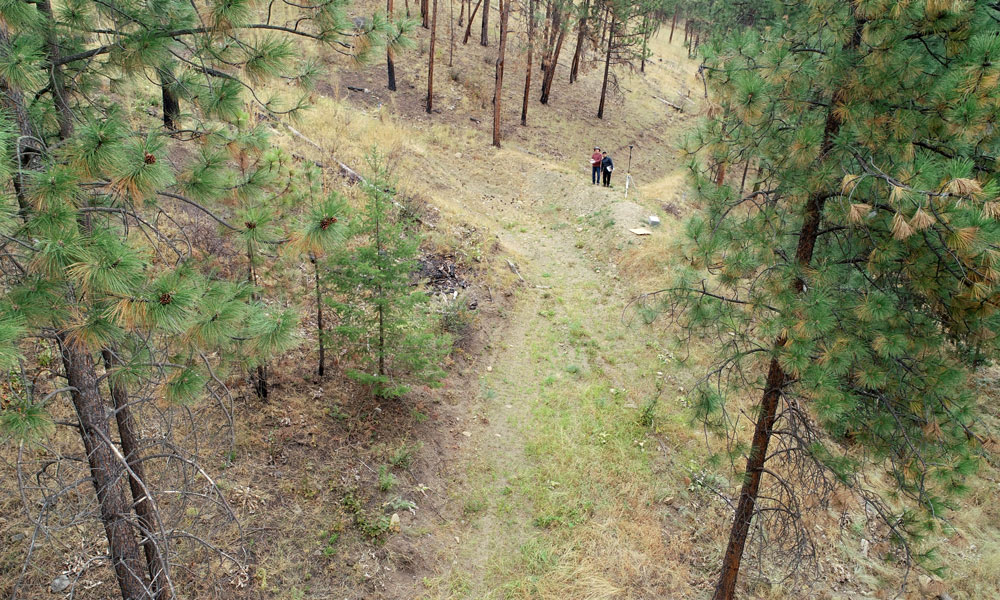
[595,165]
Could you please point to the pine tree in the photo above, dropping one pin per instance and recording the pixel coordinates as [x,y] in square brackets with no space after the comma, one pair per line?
[381,316]
[98,267]
[322,231]
[856,287]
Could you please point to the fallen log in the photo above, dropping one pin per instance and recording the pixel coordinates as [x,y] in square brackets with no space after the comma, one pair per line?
[670,104]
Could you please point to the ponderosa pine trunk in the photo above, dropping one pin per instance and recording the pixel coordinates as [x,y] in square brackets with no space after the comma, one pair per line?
[430,63]
[673,25]
[57,84]
[607,69]
[546,46]
[461,12]
[171,105]
[776,377]
[550,71]
[424,13]
[128,434]
[498,91]
[106,472]
[390,66]
[451,32]
[578,54]
[527,73]
[472,15]
[484,35]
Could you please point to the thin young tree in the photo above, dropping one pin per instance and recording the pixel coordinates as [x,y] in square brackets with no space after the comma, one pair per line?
[472,16]
[607,65]
[557,34]
[390,66]
[382,320]
[530,17]
[430,59]
[862,301]
[498,89]
[322,231]
[581,36]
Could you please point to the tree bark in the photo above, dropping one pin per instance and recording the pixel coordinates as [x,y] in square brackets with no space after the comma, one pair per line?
[106,472]
[484,36]
[808,234]
[461,12]
[451,30]
[527,73]
[472,15]
[673,24]
[577,56]
[128,433]
[57,85]
[498,92]
[430,63]
[320,331]
[546,47]
[751,485]
[171,105]
[424,13]
[607,68]
[390,65]
[29,152]
[550,71]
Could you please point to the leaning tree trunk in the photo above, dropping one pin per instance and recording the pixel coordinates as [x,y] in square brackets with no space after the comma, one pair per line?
[472,15]
[484,35]
[582,35]
[390,65]
[106,472]
[607,68]
[550,72]
[498,91]
[673,25]
[527,73]
[430,63]
[128,433]
[776,377]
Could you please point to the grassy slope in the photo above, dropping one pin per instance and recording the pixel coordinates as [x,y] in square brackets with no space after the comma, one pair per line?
[559,490]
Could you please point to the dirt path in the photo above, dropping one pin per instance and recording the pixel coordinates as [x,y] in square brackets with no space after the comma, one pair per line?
[552,465]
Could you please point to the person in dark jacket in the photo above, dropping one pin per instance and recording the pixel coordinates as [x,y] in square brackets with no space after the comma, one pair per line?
[607,166]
